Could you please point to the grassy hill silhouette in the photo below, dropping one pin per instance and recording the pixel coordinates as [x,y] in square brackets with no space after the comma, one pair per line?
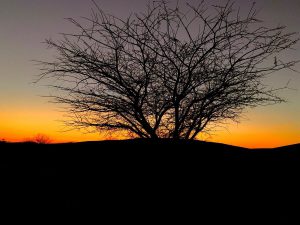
[152,178]
[204,150]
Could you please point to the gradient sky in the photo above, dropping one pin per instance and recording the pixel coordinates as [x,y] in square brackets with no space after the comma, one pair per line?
[25,24]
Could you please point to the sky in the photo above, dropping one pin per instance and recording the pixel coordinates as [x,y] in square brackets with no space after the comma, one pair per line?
[24,25]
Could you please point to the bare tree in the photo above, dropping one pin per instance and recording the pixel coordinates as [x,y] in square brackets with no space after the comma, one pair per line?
[42,139]
[167,72]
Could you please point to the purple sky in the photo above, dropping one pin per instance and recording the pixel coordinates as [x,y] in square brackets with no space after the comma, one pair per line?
[25,24]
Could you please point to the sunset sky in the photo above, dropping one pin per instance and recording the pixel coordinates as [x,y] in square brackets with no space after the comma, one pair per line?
[25,24]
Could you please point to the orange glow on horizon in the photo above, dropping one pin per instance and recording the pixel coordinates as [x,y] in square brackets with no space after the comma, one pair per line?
[76,136]
[24,124]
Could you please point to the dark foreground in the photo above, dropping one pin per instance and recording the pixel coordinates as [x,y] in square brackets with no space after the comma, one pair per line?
[162,181]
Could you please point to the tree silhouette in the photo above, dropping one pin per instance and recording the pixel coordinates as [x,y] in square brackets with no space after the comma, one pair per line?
[42,139]
[166,73]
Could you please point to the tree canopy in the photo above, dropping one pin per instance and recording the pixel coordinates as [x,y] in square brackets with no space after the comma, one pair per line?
[167,72]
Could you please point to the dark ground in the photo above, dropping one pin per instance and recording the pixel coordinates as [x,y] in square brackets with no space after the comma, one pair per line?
[128,180]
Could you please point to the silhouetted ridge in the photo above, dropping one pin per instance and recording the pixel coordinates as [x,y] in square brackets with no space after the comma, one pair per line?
[216,181]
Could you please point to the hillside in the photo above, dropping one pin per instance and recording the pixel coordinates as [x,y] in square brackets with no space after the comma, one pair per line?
[139,148]
[229,184]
